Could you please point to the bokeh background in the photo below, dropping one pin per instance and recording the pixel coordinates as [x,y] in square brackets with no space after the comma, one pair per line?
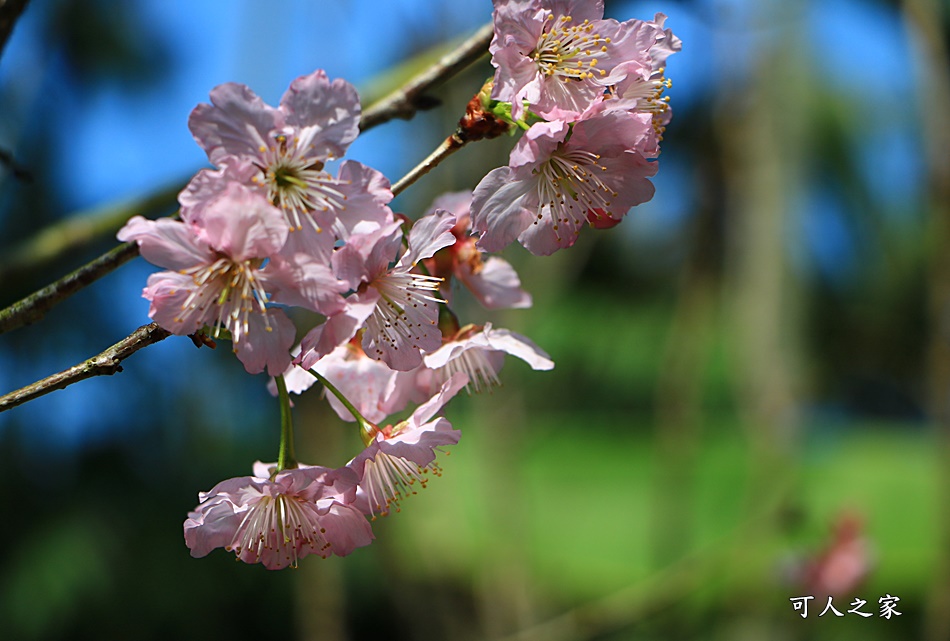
[751,400]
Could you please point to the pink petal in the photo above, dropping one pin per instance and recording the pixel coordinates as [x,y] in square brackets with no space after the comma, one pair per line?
[167,243]
[428,235]
[327,114]
[237,123]
[304,282]
[266,344]
[501,209]
[242,224]
[496,285]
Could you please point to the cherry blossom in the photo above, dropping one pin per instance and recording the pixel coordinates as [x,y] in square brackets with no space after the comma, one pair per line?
[492,280]
[479,352]
[397,305]
[558,174]
[288,147]
[219,280]
[277,518]
[557,55]
[399,456]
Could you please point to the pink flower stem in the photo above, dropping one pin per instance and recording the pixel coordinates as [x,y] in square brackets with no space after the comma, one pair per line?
[367,429]
[285,458]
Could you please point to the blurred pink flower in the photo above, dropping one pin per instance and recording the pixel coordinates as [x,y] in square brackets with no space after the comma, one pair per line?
[370,385]
[493,281]
[276,519]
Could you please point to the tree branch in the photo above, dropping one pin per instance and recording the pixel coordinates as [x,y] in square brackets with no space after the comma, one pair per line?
[34,307]
[410,98]
[104,364]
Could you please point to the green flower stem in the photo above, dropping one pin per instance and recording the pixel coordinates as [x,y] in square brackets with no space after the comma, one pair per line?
[285,458]
[367,429]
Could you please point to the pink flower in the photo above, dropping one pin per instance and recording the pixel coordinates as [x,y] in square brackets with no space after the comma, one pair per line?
[219,281]
[638,85]
[401,455]
[288,147]
[276,519]
[479,352]
[558,174]
[398,306]
[493,281]
[556,55]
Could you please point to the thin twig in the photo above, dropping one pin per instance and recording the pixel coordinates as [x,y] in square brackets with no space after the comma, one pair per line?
[10,10]
[104,364]
[448,147]
[410,98]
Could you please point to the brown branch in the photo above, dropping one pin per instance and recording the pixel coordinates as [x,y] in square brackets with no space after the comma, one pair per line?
[34,307]
[411,97]
[10,10]
[448,147]
[104,364]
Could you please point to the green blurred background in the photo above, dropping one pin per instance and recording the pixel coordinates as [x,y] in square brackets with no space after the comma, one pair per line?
[751,398]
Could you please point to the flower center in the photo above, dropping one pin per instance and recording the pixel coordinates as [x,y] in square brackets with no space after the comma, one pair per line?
[402,308]
[650,98]
[570,186]
[297,183]
[569,51]
[275,530]
[476,364]
[230,286]
[389,479]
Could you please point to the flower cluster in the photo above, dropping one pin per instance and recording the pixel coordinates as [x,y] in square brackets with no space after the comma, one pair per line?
[270,228]
[591,91]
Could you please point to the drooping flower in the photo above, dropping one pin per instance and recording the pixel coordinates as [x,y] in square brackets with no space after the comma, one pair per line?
[556,55]
[278,518]
[493,281]
[219,278]
[375,390]
[398,457]
[559,173]
[397,305]
[479,352]
[289,146]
